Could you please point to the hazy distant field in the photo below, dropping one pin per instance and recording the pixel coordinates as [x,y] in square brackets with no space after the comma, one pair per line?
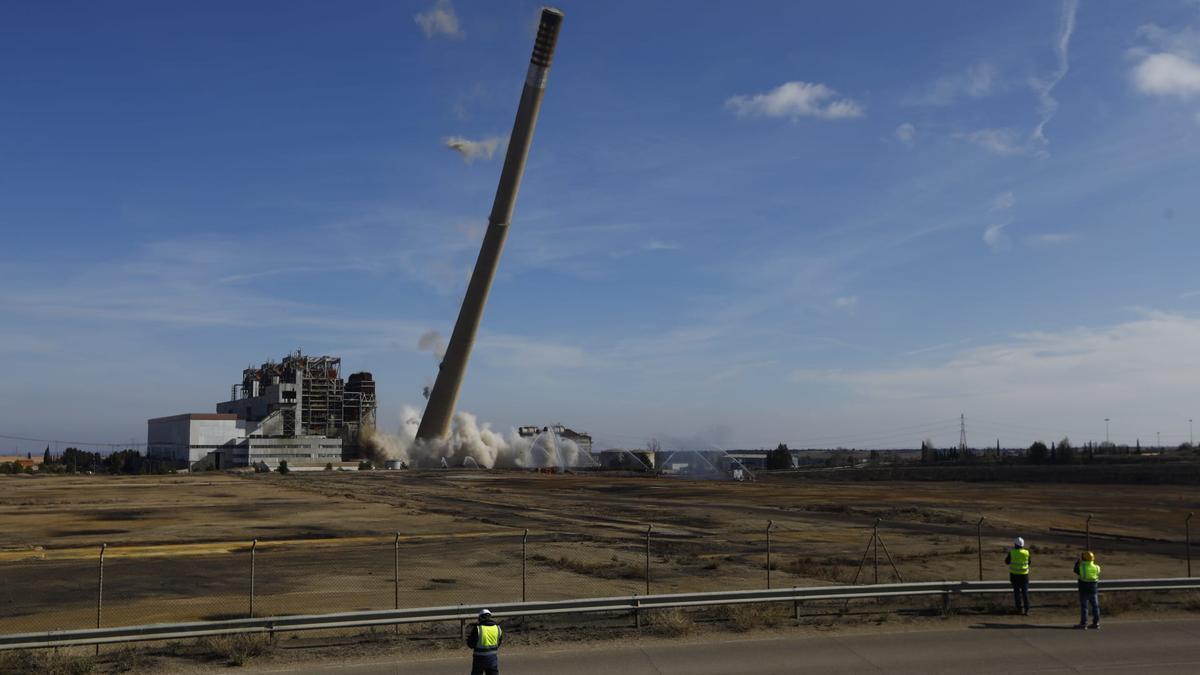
[179,545]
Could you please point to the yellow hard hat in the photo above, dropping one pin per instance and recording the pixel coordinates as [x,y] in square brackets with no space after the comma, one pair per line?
[1088,555]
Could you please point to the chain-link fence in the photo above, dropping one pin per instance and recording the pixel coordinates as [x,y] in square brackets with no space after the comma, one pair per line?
[129,585]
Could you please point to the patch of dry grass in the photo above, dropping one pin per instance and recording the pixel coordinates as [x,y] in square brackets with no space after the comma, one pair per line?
[610,569]
[44,662]
[673,622]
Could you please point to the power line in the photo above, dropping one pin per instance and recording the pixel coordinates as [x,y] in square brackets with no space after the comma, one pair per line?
[125,444]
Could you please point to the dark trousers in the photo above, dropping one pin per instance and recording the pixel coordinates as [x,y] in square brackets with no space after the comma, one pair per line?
[1089,598]
[1020,586]
[485,664]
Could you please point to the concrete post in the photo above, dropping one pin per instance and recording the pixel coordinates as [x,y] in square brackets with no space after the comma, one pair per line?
[435,423]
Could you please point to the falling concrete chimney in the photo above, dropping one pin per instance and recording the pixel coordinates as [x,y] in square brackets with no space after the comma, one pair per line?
[435,423]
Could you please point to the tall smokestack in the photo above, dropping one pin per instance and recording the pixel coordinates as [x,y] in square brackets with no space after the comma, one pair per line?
[435,423]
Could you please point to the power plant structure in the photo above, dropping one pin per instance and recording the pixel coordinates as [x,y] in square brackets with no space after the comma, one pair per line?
[298,410]
[435,423]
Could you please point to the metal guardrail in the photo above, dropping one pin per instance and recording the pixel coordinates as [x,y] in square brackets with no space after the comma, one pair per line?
[947,589]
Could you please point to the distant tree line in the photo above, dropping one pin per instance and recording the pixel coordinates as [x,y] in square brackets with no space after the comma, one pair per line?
[74,460]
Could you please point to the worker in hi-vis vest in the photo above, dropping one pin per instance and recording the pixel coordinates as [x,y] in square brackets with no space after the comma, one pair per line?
[484,640]
[1018,574]
[1088,572]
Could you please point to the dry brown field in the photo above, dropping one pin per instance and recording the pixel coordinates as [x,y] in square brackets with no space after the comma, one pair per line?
[178,547]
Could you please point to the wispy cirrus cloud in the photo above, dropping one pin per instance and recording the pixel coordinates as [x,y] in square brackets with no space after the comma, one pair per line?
[1047,104]
[1050,239]
[997,238]
[1004,201]
[1052,379]
[977,81]
[794,100]
[440,20]
[1004,142]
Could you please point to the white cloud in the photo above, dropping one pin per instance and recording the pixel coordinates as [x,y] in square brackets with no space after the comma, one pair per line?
[795,100]
[996,238]
[655,245]
[1167,75]
[1004,201]
[1061,381]
[997,141]
[1047,104]
[907,134]
[1050,239]
[848,303]
[439,20]
[977,81]
[1170,64]
[473,150]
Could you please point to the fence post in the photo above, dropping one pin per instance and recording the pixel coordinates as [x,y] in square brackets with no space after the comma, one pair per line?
[100,592]
[875,540]
[648,528]
[396,576]
[1087,533]
[1187,541]
[253,553]
[770,524]
[524,547]
[979,545]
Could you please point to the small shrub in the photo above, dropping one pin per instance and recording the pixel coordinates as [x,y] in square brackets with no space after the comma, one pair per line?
[1191,602]
[671,623]
[234,650]
[744,618]
[130,659]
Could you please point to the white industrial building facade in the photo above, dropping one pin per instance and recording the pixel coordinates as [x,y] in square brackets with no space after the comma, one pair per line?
[224,441]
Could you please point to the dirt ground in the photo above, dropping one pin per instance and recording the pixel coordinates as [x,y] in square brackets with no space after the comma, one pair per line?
[179,546]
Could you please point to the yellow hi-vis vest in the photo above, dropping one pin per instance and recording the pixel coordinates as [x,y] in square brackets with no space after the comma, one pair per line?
[1089,571]
[1018,561]
[489,639]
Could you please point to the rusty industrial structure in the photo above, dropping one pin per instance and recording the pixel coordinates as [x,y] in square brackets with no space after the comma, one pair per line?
[309,396]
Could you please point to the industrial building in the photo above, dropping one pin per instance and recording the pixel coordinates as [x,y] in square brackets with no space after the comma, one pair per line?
[579,438]
[298,410]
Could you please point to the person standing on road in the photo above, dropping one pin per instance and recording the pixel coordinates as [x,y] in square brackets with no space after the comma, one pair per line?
[1018,574]
[484,641]
[1088,572]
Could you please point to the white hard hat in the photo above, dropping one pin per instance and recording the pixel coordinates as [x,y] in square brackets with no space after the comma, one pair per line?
[485,612]
[1019,542]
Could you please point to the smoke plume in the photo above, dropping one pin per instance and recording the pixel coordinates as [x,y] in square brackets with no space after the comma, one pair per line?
[472,444]
[431,341]
[473,150]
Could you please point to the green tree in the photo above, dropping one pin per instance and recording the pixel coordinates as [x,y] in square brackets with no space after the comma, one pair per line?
[780,457]
[1038,453]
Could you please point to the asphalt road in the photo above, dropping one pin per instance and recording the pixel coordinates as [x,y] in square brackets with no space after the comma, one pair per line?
[992,647]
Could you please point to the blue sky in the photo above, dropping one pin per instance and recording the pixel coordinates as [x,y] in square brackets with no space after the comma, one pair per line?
[819,223]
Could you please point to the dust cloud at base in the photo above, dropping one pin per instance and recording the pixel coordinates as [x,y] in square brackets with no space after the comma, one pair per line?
[471,444]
